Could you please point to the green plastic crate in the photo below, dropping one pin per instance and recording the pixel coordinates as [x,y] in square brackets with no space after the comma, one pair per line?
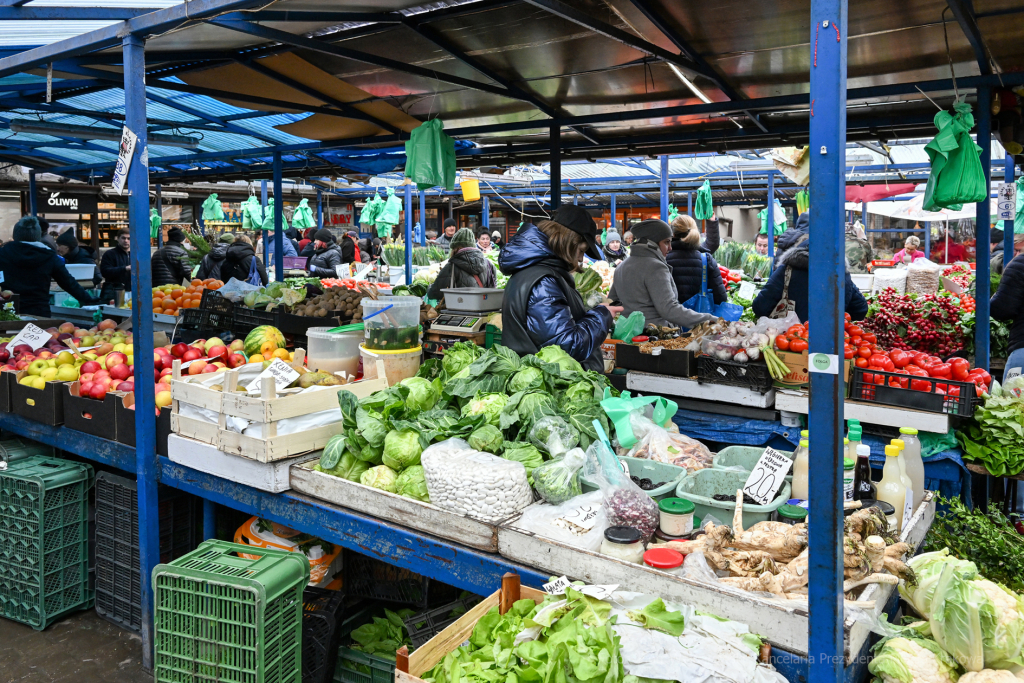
[699,487]
[18,449]
[44,540]
[221,617]
[745,457]
[358,667]
[647,469]
[492,336]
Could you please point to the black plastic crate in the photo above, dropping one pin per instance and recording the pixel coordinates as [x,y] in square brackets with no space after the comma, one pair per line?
[215,302]
[247,319]
[669,362]
[210,321]
[425,625]
[752,375]
[894,389]
[118,585]
[321,618]
[365,577]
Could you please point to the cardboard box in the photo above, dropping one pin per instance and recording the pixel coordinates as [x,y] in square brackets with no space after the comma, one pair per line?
[124,416]
[44,405]
[6,378]
[90,415]
[798,375]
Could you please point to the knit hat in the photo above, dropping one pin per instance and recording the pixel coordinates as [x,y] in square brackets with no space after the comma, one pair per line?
[579,221]
[27,230]
[462,239]
[68,239]
[226,238]
[450,222]
[175,235]
[651,230]
[324,235]
[495,235]
[613,237]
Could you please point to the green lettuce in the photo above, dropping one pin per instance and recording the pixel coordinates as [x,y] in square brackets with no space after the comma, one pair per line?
[380,477]
[656,617]
[487,404]
[555,354]
[349,467]
[487,438]
[411,483]
[423,394]
[525,453]
[402,449]
[460,356]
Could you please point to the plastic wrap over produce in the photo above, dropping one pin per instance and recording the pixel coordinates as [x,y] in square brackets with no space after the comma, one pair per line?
[471,482]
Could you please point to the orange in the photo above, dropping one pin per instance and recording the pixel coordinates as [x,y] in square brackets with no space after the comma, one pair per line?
[168,303]
[214,285]
[177,293]
[256,358]
[157,309]
[197,282]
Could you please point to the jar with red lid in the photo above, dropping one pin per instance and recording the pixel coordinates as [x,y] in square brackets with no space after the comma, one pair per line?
[664,560]
[640,340]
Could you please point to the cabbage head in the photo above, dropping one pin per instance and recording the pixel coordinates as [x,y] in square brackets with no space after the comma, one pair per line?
[555,354]
[526,379]
[459,357]
[525,453]
[380,477]
[423,394]
[349,467]
[412,484]
[489,405]
[908,660]
[536,405]
[487,438]
[402,448]
[580,392]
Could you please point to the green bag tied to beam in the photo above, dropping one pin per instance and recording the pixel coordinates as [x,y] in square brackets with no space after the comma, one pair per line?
[702,209]
[430,156]
[957,177]
[212,209]
[303,216]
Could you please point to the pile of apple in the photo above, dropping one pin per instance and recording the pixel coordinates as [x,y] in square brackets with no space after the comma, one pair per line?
[202,355]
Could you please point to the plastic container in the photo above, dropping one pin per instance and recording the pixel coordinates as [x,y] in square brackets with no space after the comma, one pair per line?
[751,375]
[791,514]
[473,299]
[664,560]
[745,457]
[646,469]
[333,351]
[396,328]
[321,617]
[623,543]
[675,516]
[17,449]
[699,487]
[366,577]
[398,365]
[849,467]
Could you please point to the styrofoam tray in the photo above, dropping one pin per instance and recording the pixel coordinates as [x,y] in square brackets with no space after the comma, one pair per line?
[271,477]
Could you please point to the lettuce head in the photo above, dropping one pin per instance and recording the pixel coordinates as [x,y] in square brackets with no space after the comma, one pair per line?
[402,449]
[459,357]
[411,483]
[489,405]
[380,477]
[526,379]
[423,394]
[555,354]
[487,438]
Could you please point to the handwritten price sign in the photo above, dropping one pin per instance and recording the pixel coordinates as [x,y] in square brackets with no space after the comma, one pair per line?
[766,479]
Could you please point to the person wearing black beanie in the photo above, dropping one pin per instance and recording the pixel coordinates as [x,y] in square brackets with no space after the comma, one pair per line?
[73,252]
[327,255]
[170,263]
[28,265]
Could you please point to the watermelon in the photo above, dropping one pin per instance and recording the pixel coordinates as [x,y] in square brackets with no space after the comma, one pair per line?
[259,336]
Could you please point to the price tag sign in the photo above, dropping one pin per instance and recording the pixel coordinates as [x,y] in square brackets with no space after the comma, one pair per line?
[747,290]
[584,517]
[599,592]
[1006,201]
[767,476]
[827,363]
[908,509]
[282,373]
[31,335]
[558,586]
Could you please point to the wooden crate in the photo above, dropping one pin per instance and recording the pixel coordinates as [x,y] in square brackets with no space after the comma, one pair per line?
[266,409]
[409,667]
[394,508]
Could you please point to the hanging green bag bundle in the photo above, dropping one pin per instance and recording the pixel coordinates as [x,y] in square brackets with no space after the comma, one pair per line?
[390,214]
[430,156]
[372,209]
[672,213]
[154,223]
[780,219]
[212,209]
[957,177]
[252,214]
[703,210]
[303,216]
[803,202]
[268,217]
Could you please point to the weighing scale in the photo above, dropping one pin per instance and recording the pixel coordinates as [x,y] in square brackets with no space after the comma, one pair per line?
[459,322]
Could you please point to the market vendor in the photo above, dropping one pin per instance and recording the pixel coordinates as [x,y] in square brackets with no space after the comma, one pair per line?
[541,306]
[170,263]
[910,252]
[466,267]
[946,249]
[28,265]
[787,288]
[761,244]
[327,255]
[644,283]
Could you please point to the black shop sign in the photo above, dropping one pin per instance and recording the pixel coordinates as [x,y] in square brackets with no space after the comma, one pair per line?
[59,201]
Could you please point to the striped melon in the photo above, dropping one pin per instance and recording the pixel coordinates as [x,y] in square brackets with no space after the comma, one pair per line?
[263,337]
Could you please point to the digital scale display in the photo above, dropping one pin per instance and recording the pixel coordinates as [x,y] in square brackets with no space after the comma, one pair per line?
[458,323]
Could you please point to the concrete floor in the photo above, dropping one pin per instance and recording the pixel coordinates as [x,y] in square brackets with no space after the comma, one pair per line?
[81,648]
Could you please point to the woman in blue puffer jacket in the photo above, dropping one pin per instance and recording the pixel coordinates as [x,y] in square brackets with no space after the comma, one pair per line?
[541,306]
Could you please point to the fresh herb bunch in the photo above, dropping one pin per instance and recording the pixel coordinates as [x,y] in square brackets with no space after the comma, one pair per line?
[993,436]
[988,540]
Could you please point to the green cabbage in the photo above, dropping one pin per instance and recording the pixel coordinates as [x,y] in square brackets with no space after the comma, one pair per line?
[912,660]
[423,394]
[489,405]
[402,449]
[412,484]
[525,453]
[527,379]
[460,356]
[580,392]
[380,477]
[487,438]
[348,467]
[555,354]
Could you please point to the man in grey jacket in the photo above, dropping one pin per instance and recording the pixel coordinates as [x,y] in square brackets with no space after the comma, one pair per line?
[643,282]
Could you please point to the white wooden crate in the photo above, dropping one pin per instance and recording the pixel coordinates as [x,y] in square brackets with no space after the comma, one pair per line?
[271,477]
[650,383]
[422,516]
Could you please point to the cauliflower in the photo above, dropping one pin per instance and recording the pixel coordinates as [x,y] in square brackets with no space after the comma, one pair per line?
[905,660]
[991,676]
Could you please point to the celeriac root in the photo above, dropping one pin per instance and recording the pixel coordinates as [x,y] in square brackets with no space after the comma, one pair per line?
[870,578]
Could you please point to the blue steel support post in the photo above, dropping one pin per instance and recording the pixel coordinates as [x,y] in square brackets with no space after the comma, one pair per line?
[555,167]
[864,214]
[983,230]
[1008,177]
[263,217]
[209,519]
[485,214]
[142,334]
[828,46]
[771,219]
[160,212]
[32,208]
[278,221]
[320,210]
[423,217]
[928,239]
[664,187]
[408,234]
[689,204]
[612,223]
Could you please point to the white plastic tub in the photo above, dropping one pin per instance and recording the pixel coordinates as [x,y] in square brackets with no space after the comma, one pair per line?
[398,365]
[333,351]
[473,299]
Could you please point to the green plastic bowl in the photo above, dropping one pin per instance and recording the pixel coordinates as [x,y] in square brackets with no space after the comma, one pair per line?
[647,469]
[699,487]
[745,457]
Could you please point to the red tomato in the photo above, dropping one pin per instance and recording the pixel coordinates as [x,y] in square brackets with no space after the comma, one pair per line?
[869,378]
[861,362]
[798,345]
[848,318]
[953,391]
[960,368]
[920,385]
[900,358]
[782,343]
[939,370]
[921,359]
[857,341]
[877,360]
[856,331]
[901,382]
[864,351]
[797,330]
[870,338]
[849,352]
[887,364]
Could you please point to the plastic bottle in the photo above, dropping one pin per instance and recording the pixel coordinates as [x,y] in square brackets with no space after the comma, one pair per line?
[891,488]
[856,433]
[863,489]
[912,462]
[801,466]
[907,481]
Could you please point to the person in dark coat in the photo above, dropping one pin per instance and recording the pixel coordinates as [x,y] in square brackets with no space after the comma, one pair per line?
[47,239]
[212,263]
[116,267]
[293,235]
[73,252]
[326,255]
[541,306]
[448,232]
[686,264]
[28,265]
[794,264]
[791,238]
[349,249]
[170,262]
[1008,304]
[238,261]
[613,251]
[466,267]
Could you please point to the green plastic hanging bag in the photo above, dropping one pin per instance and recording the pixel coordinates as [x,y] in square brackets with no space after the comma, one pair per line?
[621,407]
[212,209]
[702,209]
[252,214]
[390,214]
[154,223]
[780,219]
[957,177]
[627,327]
[803,202]
[430,156]
[368,216]
[268,217]
[303,216]
[1018,221]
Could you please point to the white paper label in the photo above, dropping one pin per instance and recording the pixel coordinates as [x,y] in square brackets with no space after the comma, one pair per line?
[767,476]
[124,158]
[908,510]
[282,373]
[31,335]
[558,586]
[747,290]
[585,517]
[1006,201]
[827,363]
[83,349]
[342,271]
[599,592]
[656,351]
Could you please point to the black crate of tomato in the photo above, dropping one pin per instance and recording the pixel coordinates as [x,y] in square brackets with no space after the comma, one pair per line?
[930,394]
[751,375]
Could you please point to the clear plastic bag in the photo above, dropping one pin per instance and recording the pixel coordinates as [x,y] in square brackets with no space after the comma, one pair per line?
[658,443]
[579,522]
[558,480]
[553,435]
[626,504]
[471,482]
[923,277]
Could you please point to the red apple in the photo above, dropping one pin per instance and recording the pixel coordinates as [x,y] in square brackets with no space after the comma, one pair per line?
[84,387]
[164,373]
[4,355]
[97,391]
[167,363]
[163,351]
[192,354]
[157,375]
[120,372]
[210,367]
[114,358]
[126,386]
[22,348]
[43,355]
[197,367]
[179,349]
[236,360]
[85,377]
[22,364]
[219,351]
[91,366]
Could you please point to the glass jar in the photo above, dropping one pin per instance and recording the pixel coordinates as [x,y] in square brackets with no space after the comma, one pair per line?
[790,514]
[664,560]
[676,516]
[624,543]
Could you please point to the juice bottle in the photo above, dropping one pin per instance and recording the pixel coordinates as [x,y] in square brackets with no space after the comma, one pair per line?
[891,488]
[863,489]
[912,462]
[907,481]
[856,433]
[801,466]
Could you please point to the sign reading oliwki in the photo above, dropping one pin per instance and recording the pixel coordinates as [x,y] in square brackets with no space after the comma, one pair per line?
[59,201]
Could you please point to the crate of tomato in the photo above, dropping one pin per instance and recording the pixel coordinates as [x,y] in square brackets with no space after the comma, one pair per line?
[917,380]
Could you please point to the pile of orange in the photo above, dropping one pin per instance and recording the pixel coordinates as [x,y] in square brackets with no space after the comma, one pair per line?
[170,299]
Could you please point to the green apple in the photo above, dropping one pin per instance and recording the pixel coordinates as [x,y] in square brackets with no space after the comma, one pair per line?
[36,367]
[67,373]
[49,374]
